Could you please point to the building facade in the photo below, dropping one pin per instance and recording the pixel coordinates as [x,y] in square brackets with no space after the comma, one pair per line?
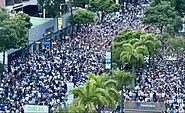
[2,3]
[16,4]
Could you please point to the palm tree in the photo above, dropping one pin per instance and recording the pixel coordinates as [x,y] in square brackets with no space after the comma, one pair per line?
[108,84]
[145,40]
[122,79]
[72,108]
[133,54]
[90,95]
[150,42]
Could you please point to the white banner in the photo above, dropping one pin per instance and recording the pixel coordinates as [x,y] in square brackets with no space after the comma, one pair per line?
[35,109]
[108,60]
[70,86]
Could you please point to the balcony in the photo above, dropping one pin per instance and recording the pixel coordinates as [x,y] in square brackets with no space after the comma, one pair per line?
[9,2]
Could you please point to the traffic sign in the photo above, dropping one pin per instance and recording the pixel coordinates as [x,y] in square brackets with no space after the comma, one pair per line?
[45,43]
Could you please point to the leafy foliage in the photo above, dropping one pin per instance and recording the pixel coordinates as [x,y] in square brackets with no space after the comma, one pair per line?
[122,79]
[133,54]
[95,92]
[133,40]
[13,30]
[23,25]
[82,17]
[176,45]
[162,16]
[179,6]
[107,6]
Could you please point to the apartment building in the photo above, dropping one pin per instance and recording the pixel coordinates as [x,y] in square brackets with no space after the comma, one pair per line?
[27,6]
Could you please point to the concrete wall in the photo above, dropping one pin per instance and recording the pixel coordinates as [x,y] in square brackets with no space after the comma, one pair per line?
[37,32]
[15,4]
[33,2]
[65,18]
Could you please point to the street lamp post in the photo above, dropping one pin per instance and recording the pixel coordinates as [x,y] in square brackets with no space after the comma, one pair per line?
[71,11]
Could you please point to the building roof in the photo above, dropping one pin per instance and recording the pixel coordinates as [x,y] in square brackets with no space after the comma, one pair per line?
[38,21]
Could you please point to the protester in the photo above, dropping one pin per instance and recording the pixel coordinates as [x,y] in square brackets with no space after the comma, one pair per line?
[40,78]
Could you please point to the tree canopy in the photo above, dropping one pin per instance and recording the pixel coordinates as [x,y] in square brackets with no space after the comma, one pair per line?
[134,38]
[179,5]
[163,16]
[13,30]
[96,91]
[122,79]
[176,45]
[129,48]
[82,17]
[106,6]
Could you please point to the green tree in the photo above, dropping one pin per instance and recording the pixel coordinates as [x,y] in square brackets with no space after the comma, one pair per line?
[163,16]
[24,24]
[133,54]
[74,107]
[122,79]
[89,95]
[120,39]
[123,37]
[8,37]
[108,84]
[4,14]
[104,6]
[176,45]
[92,94]
[179,6]
[149,41]
[82,17]
[52,7]
[13,31]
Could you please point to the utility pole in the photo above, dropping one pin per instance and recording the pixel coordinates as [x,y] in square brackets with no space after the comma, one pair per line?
[70,2]
[44,10]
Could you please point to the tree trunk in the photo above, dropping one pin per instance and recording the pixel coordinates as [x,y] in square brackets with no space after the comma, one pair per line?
[3,58]
[149,60]
[83,5]
[153,60]
[177,65]
[122,100]
[72,25]
[161,29]
[98,109]
[134,74]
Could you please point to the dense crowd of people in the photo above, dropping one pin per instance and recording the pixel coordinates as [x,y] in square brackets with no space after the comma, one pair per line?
[40,78]
[166,84]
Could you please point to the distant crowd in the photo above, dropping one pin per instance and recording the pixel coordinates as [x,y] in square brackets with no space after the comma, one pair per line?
[40,78]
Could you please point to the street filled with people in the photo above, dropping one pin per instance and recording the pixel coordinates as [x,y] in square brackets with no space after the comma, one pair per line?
[40,78]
